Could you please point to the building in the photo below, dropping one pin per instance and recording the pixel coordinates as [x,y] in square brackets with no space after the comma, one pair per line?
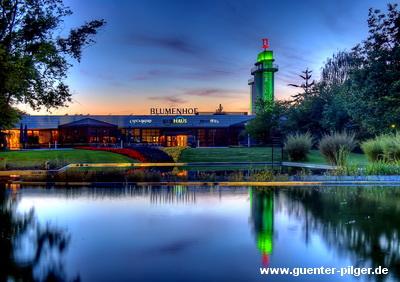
[166,130]
[262,82]
[164,126]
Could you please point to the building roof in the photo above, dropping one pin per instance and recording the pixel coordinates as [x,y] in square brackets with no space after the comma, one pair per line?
[88,122]
[142,121]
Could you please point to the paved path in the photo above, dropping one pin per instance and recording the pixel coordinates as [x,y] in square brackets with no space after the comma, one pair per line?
[310,165]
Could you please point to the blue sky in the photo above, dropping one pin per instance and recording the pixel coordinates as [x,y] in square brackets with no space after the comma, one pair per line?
[198,53]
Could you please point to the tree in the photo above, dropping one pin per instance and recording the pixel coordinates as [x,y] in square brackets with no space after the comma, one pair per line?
[337,70]
[269,119]
[306,108]
[374,99]
[334,89]
[34,56]
[220,110]
[45,245]
[307,86]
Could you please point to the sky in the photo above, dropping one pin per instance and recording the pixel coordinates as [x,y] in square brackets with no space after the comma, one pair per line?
[198,53]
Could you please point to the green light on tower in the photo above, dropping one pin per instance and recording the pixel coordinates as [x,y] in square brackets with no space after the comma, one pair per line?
[262,83]
[262,217]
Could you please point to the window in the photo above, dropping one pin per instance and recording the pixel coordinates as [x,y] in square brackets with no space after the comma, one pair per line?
[150,135]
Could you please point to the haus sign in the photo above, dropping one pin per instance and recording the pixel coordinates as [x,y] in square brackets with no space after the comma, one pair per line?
[177,120]
[173,111]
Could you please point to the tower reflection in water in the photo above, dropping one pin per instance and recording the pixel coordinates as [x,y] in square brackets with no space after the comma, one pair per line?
[262,219]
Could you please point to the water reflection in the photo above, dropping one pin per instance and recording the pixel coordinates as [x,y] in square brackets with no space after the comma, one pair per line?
[173,194]
[360,222]
[29,251]
[262,215]
[186,226]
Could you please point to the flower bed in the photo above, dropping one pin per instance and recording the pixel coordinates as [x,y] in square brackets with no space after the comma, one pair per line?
[153,155]
[133,154]
[175,152]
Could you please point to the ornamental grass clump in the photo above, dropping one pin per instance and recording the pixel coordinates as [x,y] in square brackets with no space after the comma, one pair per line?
[336,147]
[382,168]
[384,148]
[373,149]
[391,148]
[297,146]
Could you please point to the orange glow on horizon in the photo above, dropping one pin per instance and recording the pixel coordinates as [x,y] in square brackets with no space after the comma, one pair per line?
[140,107]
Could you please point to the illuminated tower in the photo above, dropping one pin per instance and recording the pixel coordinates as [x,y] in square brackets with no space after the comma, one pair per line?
[262,83]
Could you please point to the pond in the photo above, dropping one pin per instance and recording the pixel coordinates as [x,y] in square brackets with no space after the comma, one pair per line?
[215,173]
[193,233]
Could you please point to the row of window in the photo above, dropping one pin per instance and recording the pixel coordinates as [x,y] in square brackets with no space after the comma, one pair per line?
[203,137]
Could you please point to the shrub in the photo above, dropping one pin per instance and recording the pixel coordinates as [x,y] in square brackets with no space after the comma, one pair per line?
[373,150]
[382,168]
[261,175]
[391,148]
[297,146]
[52,164]
[382,148]
[175,152]
[143,175]
[336,147]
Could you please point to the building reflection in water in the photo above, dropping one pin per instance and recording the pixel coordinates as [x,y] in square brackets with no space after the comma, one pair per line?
[262,218]
[173,194]
[362,223]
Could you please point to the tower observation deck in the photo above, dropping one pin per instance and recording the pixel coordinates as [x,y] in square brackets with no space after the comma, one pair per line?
[262,82]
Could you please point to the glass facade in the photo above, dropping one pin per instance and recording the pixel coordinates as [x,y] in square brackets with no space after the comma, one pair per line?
[197,130]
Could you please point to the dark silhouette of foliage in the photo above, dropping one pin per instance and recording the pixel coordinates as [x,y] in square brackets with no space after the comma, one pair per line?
[34,56]
[307,87]
[269,119]
[375,85]
[15,230]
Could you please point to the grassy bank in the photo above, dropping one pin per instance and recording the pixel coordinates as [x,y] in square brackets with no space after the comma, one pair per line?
[315,157]
[37,159]
[255,154]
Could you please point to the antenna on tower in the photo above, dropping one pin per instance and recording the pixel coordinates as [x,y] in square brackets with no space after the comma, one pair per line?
[265,43]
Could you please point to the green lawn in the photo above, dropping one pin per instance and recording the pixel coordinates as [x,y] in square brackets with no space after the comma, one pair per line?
[254,154]
[35,159]
[315,157]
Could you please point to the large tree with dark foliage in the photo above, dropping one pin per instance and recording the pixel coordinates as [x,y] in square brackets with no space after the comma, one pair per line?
[359,90]
[43,247]
[269,120]
[306,109]
[34,55]
[334,88]
[374,99]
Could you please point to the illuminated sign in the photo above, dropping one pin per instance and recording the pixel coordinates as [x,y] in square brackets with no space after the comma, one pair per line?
[177,120]
[180,120]
[265,43]
[173,111]
[140,121]
[213,121]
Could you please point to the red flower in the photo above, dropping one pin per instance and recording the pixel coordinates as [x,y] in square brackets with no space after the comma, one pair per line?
[126,152]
